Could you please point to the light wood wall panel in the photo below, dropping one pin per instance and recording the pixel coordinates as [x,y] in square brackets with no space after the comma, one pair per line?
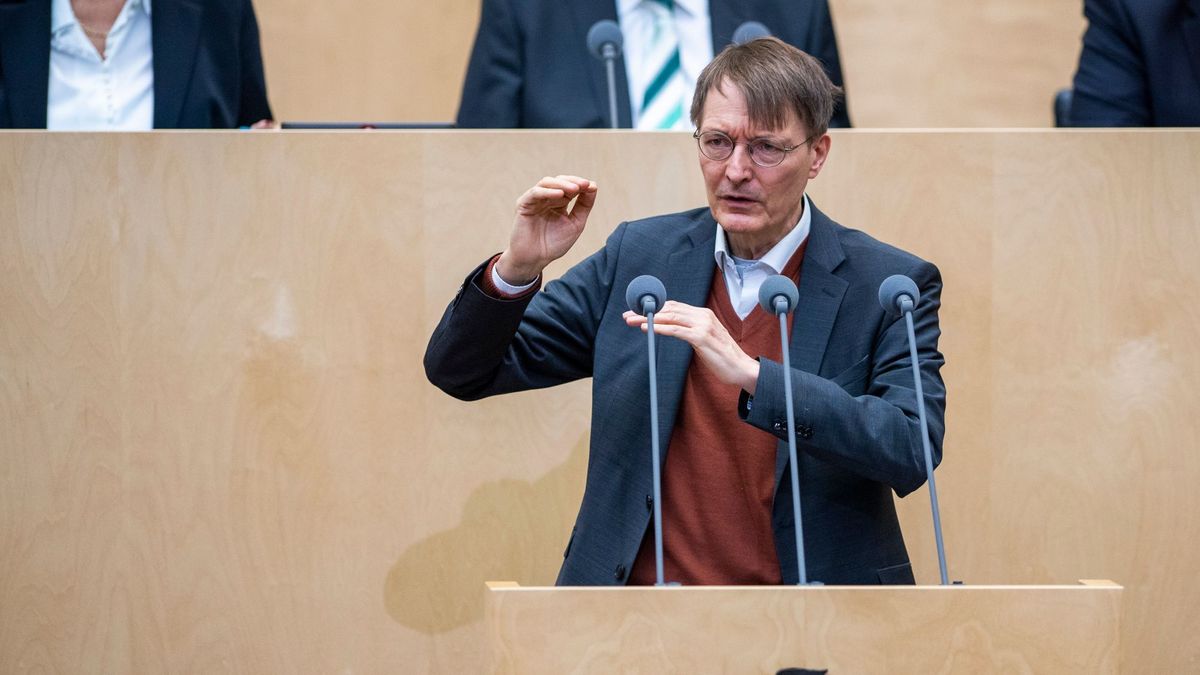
[925,63]
[219,451]
[366,60]
[949,63]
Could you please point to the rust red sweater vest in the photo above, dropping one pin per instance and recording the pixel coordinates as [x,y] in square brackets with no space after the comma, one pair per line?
[719,472]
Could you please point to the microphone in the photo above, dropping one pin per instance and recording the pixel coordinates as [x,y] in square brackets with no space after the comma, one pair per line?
[778,295]
[898,295]
[646,295]
[750,30]
[604,41]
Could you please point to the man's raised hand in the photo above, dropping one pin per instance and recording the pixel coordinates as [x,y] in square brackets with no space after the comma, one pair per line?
[547,224]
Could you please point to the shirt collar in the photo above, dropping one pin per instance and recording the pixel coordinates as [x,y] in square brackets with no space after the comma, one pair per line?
[62,17]
[777,258]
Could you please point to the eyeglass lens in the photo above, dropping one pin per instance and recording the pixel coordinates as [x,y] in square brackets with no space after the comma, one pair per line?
[717,146]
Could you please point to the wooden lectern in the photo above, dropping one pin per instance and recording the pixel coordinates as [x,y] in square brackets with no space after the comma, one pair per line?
[842,629]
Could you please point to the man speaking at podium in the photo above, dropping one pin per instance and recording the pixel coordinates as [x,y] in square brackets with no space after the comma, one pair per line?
[761,111]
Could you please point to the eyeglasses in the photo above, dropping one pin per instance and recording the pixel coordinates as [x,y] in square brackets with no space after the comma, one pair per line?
[718,146]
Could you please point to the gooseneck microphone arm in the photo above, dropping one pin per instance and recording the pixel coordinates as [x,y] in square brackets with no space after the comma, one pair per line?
[655,453]
[610,68]
[933,498]
[779,295]
[605,41]
[899,295]
[646,295]
[792,455]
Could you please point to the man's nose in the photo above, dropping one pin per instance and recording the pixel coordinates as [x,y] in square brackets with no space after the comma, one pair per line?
[739,167]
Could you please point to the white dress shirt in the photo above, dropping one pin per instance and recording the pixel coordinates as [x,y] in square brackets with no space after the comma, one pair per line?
[694,26]
[743,278]
[90,93]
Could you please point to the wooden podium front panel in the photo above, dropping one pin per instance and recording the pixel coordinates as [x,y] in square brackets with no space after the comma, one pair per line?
[981,629]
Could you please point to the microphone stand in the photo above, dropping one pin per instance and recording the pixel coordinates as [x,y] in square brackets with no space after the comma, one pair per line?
[648,307]
[781,309]
[906,308]
[645,295]
[610,59]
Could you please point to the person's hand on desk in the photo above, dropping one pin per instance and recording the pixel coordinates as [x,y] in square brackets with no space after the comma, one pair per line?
[546,226]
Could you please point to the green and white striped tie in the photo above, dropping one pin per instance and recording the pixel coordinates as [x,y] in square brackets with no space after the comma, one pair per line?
[663,100]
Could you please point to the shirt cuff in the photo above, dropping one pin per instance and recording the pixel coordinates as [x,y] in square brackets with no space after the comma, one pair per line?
[497,287]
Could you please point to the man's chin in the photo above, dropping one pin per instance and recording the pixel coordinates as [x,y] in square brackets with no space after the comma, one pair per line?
[733,221]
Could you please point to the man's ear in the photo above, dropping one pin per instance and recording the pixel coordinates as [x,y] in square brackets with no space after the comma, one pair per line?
[820,149]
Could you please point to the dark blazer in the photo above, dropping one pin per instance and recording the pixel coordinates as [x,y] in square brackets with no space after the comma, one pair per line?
[531,68]
[208,71]
[1140,65]
[855,407]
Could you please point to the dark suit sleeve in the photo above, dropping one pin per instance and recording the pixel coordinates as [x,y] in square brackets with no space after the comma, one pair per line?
[492,90]
[253,106]
[824,47]
[485,346]
[877,434]
[1110,88]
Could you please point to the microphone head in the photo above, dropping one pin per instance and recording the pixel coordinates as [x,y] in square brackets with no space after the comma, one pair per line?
[643,288]
[893,290]
[778,286]
[601,34]
[751,30]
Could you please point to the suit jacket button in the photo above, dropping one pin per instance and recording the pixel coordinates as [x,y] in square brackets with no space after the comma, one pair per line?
[806,432]
[778,426]
[649,502]
[619,574]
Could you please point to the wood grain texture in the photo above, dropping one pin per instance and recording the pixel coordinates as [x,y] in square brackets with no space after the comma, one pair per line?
[367,60]
[944,63]
[925,63]
[219,451]
[979,629]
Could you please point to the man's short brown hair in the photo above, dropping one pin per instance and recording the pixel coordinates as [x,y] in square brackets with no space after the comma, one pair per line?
[773,76]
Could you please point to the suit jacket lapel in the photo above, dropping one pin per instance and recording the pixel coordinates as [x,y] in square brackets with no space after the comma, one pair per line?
[1191,35]
[821,293]
[175,36]
[586,14]
[688,278]
[25,61]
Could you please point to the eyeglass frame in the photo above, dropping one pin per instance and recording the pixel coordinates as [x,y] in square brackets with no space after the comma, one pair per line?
[749,147]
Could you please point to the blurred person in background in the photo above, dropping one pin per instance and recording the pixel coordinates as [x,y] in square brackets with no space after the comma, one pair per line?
[129,65]
[531,68]
[1140,65]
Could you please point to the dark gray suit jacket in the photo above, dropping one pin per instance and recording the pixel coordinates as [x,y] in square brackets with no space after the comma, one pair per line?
[530,67]
[1140,65]
[855,407]
[208,70]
